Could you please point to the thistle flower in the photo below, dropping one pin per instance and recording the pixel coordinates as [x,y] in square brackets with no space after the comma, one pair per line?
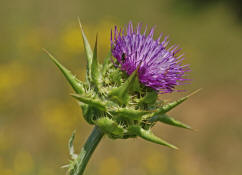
[120,97]
[160,66]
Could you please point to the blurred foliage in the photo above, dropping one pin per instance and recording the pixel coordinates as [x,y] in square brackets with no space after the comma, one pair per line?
[37,116]
[196,5]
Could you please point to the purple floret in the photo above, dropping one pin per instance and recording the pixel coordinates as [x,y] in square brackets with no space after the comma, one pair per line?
[160,66]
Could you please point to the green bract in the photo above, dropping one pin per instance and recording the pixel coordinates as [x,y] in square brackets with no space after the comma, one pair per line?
[118,104]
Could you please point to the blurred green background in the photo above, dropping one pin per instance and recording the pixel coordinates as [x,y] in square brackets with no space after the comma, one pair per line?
[37,116]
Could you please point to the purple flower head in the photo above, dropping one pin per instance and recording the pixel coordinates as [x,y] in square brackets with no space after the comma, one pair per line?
[160,66]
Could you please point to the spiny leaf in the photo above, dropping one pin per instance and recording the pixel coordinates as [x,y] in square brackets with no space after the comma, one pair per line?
[120,94]
[170,106]
[136,84]
[149,136]
[76,84]
[90,101]
[170,121]
[94,68]
[149,98]
[71,147]
[129,113]
[106,63]
[88,51]
[110,127]
[88,112]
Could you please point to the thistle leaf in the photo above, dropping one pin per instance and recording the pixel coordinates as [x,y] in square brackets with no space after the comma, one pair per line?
[164,109]
[120,94]
[90,101]
[111,127]
[94,67]
[76,84]
[71,147]
[88,51]
[106,63]
[149,136]
[88,112]
[129,113]
[149,98]
[170,121]
[136,84]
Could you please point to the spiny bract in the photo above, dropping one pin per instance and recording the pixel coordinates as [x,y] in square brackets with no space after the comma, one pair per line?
[117,102]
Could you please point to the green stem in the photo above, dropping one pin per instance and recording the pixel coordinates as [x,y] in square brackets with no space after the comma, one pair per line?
[87,151]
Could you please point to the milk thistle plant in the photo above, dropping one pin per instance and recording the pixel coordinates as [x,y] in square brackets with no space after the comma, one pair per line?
[120,96]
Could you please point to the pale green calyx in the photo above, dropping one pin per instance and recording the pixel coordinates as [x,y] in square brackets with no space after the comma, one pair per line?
[118,104]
